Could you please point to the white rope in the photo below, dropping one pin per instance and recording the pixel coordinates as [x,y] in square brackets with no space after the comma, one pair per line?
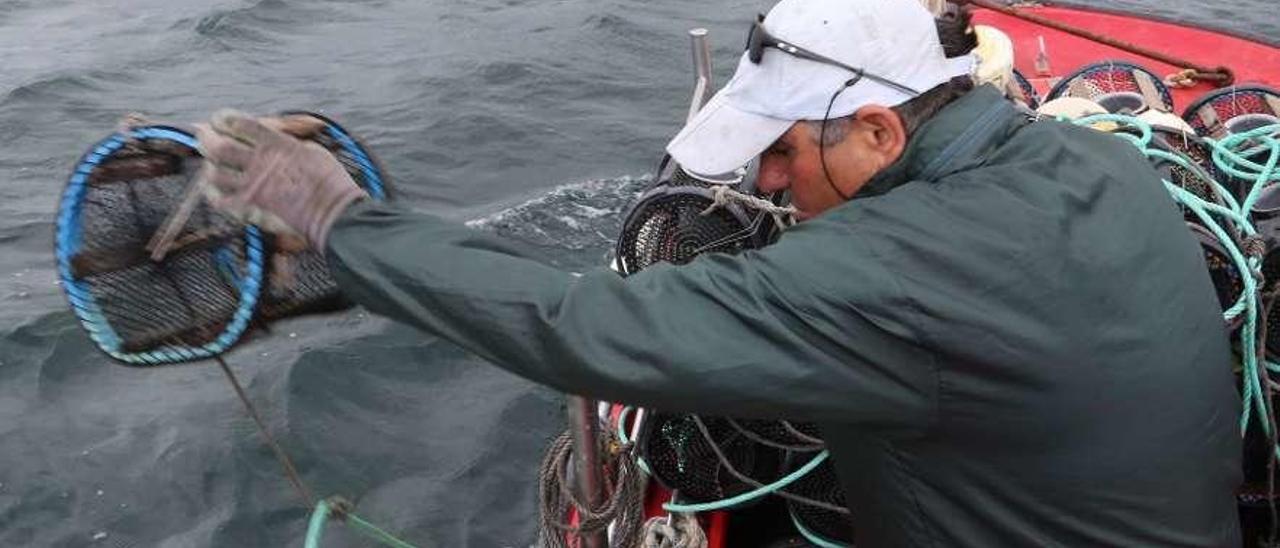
[679,531]
[723,195]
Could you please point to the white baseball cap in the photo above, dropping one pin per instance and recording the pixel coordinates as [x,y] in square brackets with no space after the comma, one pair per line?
[896,40]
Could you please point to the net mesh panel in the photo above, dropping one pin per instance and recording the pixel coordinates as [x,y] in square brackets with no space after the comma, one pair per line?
[299,282]
[682,459]
[188,298]
[1271,277]
[671,228]
[822,485]
[1226,278]
[1194,149]
[667,224]
[1100,81]
[1232,110]
[1211,115]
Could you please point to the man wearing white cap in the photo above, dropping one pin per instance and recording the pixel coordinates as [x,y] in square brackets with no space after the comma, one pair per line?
[1002,327]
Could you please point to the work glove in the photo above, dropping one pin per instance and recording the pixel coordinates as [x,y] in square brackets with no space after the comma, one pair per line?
[257,171]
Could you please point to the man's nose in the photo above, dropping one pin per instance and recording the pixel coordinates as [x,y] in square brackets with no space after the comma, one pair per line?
[772,176]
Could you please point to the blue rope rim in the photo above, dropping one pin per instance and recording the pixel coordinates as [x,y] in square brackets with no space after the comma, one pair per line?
[1061,86]
[370,168]
[1191,116]
[67,241]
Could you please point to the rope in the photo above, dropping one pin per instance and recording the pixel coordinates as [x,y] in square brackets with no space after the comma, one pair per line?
[761,490]
[755,493]
[285,462]
[813,538]
[674,531]
[339,508]
[1220,76]
[757,438]
[333,507]
[623,507]
[723,196]
[1234,156]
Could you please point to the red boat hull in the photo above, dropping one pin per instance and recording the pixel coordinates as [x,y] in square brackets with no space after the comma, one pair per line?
[1252,62]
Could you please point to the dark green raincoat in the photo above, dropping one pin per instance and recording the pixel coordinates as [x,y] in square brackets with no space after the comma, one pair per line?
[1009,338]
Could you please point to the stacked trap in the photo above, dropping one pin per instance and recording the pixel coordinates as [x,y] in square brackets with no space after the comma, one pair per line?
[715,462]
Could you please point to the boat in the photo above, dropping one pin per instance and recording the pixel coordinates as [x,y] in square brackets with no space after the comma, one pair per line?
[1216,81]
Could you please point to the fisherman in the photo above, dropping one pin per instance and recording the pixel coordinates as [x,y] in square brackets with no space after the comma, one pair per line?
[1003,327]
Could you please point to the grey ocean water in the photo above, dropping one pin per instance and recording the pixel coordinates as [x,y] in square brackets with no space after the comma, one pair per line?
[535,119]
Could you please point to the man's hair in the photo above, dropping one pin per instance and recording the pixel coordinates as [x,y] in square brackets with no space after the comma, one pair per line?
[914,113]
[955,31]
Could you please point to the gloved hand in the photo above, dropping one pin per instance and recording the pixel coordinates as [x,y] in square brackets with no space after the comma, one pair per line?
[257,172]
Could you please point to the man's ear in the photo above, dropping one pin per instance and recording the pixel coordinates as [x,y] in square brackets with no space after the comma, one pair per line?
[884,134]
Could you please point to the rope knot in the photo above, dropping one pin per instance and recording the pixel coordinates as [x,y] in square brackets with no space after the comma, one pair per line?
[675,531]
[722,195]
[1185,78]
[340,507]
[1254,246]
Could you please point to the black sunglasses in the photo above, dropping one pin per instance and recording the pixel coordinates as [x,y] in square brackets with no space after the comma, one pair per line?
[758,39]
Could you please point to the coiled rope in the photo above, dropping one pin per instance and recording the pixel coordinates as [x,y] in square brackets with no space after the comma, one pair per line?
[1233,155]
[622,511]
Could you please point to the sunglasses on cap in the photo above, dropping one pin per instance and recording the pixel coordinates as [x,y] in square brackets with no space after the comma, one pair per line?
[758,39]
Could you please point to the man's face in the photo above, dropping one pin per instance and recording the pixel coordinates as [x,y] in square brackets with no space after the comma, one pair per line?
[794,161]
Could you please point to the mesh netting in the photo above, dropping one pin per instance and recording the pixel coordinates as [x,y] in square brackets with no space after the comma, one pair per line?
[1226,278]
[1233,110]
[1271,305]
[703,458]
[201,297]
[670,223]
[195,302]
[822,485]
[298,280]
[1193,148]
[682,458]
[1117,86]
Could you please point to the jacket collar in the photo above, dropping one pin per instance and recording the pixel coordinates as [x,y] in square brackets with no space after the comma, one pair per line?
[958,137]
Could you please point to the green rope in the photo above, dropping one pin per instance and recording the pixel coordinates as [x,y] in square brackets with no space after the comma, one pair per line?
[324,510]
[752,494]
[1233,155]
[622,437]
[813,538]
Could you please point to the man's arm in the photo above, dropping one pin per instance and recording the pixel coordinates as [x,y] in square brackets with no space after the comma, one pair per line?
[761,334]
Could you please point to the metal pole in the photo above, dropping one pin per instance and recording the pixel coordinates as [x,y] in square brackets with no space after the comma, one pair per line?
[586,462]
[701,70]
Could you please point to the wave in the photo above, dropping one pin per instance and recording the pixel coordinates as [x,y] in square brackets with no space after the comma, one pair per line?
[575,222]
[49,88]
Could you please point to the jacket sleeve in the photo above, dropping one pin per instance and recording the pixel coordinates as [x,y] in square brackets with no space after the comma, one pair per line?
[754,335]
